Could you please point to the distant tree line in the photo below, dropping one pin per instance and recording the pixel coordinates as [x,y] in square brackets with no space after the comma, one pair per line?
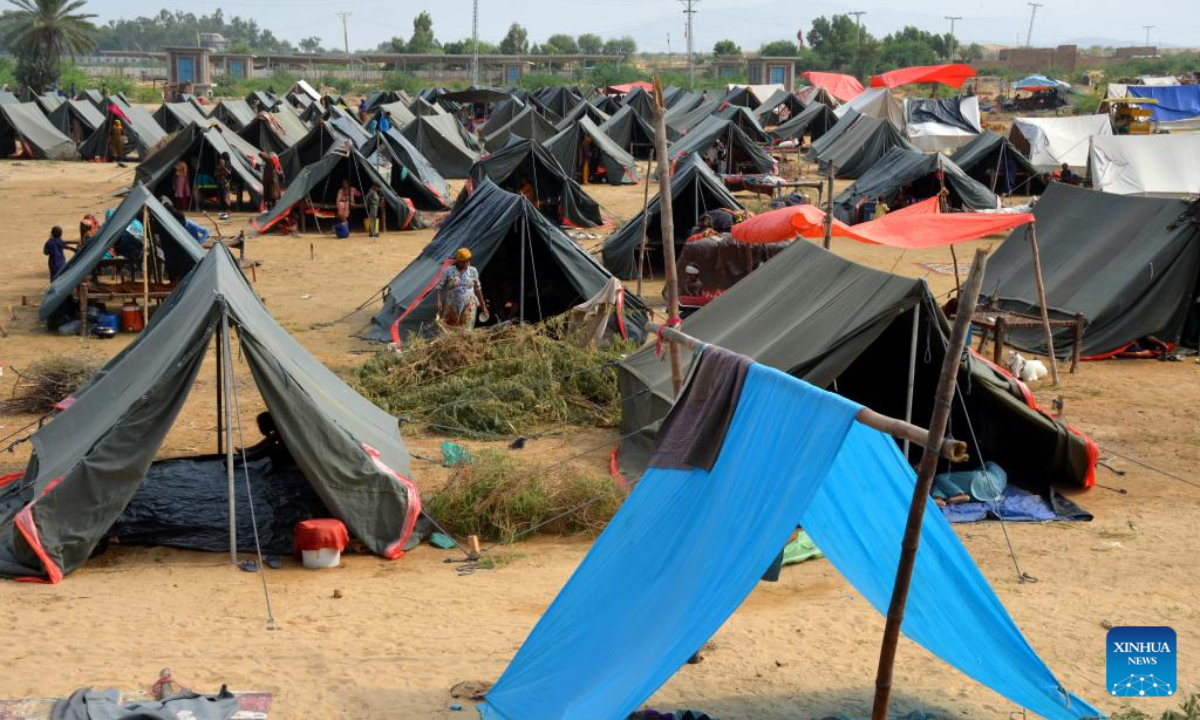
[515,42]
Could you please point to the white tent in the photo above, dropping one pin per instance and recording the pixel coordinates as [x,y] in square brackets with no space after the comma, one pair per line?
[1158,165]
[1159,81]
[936,136]
[877,103]
[1050,142]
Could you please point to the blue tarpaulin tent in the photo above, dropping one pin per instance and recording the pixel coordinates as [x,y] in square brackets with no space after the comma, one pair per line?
[1034,83]
[1175,102]
[689,545]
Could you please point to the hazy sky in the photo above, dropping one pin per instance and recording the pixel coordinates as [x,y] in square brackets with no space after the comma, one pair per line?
[650,22]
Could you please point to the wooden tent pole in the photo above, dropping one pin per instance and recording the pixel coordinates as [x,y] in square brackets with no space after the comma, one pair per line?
[829,207]
[220,394]
[645,221]
[227,361]
[145,266]
[1041,290]
[920,499]
[665,211]
[912,370]
[955,450]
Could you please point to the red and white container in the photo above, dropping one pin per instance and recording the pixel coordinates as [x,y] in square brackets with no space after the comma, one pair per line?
[320,542]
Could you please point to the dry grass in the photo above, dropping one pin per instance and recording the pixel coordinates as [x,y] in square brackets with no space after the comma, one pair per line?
[44,383]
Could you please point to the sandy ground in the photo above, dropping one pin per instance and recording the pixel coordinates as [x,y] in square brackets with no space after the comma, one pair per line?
[404,632]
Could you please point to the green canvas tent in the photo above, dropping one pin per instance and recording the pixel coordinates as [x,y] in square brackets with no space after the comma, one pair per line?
[813,121]
[514,248]
[142,133]
[856,148]
[917,176]
[317,186]
[409,175]
[529,124]
[26,121]
[1129,265]
[996,163]
[849,328]
[584,142]
[77,119]
[442,141]
[695,190]
[633,133]
[90,460]
[180,250]
[200,147]
[580,111]
[172,117]
[235,113]
[558,196]
[741,155]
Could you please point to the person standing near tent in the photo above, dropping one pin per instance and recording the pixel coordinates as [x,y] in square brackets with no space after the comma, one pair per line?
[459,294]
[222,174]
[116,140]
[55,251]
[385,122]
[373,202]
[272,178]
[181,186]
[345,201]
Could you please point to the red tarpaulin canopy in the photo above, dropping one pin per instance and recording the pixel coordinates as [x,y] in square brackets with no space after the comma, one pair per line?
[952,75]
[915,227]
[842,87]
[622,89]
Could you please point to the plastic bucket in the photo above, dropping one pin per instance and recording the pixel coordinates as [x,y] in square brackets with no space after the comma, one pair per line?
[131,318]
[106,321]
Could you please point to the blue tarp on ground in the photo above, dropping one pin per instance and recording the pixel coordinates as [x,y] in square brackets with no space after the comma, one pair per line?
[687,547]
[1175,102]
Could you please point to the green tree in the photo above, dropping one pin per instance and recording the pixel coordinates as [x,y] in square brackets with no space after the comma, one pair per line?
[40,32]
[726,47]
[620,46]
[840,44]
[779,48]
[516,42]
[311,44]
[423,40]
[973,52]
[466,46]
[590,44]
[911,46]
[560,44]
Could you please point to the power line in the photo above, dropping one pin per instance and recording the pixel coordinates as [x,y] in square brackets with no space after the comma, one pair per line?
[1032,16]
[953,38]
[689,10]
[345,15]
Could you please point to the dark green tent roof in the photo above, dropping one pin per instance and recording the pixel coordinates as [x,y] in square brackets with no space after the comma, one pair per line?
[441,140]
[236,114]
[180,249]
[814,121]
[172,117]
[821,318]
[501,115]
[567,147]
[90,460]
[580,111]
[494,224]
[319,182]
[316,144]
[27,121]
[141,132]
[633,133]
[527,125]
[746,122]
[856,148]
[1128,264]
[410,174]
[903,168]
[556,192]
[740,151]
[82,110]
[201,147]
[695,190]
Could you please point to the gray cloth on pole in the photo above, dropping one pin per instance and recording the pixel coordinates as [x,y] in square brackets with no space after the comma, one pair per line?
[691,436]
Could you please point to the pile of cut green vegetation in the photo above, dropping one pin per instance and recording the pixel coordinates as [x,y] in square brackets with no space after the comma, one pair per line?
[513,380]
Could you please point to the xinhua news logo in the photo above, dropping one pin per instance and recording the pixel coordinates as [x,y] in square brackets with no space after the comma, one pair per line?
[1141,662]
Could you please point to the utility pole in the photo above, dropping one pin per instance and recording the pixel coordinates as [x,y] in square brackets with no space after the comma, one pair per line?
[858,38]
[1148,28]
[475,42]
[345,14]
[953,37]
[670,57]
[689,9]
[1033,6]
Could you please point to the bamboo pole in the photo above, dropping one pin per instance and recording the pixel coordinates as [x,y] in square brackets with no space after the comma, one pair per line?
[920,499]
[1041,290]
[645,221]
[829,207]
[145,266]
[665,211]
[227,361]
[912,371]
[955,450]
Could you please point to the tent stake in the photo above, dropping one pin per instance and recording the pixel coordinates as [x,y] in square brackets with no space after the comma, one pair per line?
[227,360]
[1041,289]
[645,221]
[912,372]
[920,499]
[668,229]
[949,448]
